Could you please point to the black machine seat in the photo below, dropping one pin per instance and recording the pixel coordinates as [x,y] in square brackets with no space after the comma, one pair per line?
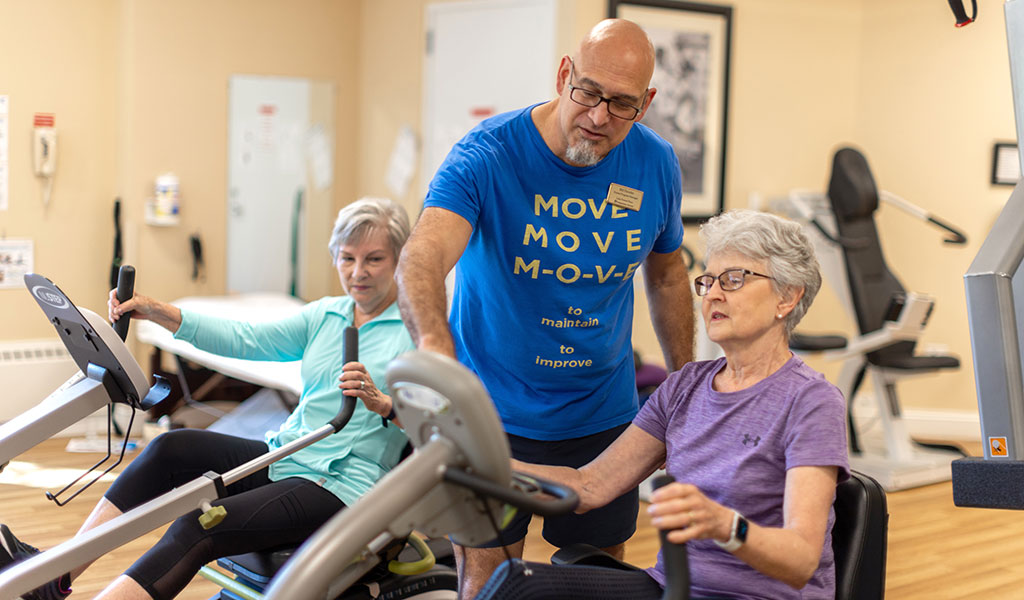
[854,197]
[257,567]
[585,554]
[802,342]
[918,362]
[859,539]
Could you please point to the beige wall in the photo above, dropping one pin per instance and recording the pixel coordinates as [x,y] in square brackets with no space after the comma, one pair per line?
[389,90]
[59,57]
[178,58]
[793,95]
[140,88]
[934,99]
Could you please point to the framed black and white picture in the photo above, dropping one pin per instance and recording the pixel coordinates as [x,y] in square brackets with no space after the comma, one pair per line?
[691,73]
[1005,164]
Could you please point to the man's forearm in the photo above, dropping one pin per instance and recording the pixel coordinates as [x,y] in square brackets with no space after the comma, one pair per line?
[422,300]
[670,302]
[671,312]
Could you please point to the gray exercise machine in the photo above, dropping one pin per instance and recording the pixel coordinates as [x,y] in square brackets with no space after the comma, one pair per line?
[994,284]
[108,373]
[995,305]
[111,370]
[455,484]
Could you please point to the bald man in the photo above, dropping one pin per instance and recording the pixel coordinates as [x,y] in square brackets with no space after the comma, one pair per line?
[549,211]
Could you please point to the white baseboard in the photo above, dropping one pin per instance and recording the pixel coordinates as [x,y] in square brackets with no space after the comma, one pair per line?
[953,425]
[956,425]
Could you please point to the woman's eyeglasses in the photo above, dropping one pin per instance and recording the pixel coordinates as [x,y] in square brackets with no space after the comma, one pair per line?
[730,280]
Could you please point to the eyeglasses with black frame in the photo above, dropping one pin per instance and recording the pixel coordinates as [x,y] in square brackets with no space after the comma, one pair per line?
[590,99]
[730,280]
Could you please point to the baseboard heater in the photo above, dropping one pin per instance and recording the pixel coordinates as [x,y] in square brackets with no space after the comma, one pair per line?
[31,370]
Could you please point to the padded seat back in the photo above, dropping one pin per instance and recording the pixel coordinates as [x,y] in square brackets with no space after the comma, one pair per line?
[859,538]
[854,198]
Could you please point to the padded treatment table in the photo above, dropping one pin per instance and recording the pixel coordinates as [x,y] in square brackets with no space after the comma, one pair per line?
[284,376]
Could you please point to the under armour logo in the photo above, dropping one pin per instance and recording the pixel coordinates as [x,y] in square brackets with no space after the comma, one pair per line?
[749,441]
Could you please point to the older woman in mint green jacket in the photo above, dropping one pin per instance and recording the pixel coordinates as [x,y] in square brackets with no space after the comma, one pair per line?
[288,501]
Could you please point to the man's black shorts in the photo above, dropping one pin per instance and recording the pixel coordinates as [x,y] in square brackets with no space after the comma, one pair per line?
[607,526]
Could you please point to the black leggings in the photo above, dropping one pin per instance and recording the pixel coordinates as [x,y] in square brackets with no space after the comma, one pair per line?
[261,513]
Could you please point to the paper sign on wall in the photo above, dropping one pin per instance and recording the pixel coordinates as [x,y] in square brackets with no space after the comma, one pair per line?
[402,164]
[15,261]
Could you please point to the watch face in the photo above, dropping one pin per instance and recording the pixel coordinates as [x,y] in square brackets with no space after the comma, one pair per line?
[741,529]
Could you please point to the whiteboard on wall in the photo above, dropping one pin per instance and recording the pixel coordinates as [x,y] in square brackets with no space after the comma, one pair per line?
[483,58]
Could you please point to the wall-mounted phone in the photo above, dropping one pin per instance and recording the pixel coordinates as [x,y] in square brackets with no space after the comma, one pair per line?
[44,150]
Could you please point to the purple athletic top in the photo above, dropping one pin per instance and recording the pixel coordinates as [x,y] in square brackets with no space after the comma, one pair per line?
[736,447]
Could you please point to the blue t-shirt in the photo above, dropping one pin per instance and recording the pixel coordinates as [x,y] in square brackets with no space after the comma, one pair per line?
[736,448]
[346,463]
[543,300]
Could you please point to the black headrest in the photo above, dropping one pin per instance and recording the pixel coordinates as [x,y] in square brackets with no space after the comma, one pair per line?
[852,188]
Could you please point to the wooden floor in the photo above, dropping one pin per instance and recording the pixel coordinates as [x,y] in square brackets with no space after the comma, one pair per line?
[935,550]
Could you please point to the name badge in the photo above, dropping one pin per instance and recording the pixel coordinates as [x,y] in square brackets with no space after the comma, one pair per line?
[624,197]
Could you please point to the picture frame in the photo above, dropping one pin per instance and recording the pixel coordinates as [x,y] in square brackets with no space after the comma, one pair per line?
[690,110]
[1005,164]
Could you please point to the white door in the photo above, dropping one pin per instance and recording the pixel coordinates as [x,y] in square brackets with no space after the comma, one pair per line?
[267,124]
[483,58]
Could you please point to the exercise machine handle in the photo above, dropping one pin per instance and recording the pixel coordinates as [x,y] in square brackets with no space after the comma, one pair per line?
[350,345]
[957,6]
[125,290]
[677,562]
[957,236]
[349,353]
[565,500]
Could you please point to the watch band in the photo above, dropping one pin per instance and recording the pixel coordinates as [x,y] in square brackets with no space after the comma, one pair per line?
[390,417]
[737,533]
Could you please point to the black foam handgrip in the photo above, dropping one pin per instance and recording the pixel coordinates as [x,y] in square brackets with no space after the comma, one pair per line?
[349,353]
[960,14]
[350,347]
[125,290]
[677,563]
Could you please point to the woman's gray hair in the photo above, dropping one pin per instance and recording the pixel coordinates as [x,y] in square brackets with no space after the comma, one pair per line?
[365,215]
[780,243]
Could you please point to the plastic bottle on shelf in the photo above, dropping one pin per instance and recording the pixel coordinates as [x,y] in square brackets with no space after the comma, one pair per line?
[167,196]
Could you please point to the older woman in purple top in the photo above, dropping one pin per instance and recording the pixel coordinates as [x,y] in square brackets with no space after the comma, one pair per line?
[756,440]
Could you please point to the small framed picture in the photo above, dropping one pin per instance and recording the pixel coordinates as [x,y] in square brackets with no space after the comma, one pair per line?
[1005,164]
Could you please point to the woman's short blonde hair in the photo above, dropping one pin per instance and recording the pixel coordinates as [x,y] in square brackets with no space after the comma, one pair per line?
[361,217]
